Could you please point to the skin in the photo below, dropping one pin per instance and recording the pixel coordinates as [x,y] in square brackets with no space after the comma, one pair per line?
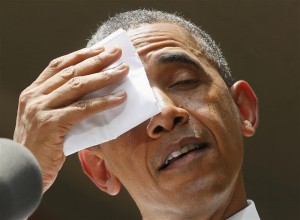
[197,108]
[49,106]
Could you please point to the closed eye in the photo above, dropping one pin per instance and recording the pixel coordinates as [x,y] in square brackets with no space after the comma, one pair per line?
[185,84]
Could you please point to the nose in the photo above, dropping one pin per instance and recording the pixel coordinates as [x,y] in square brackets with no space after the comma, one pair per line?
[169,117]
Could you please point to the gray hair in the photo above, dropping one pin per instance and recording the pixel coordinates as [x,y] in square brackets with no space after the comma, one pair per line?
[133,19]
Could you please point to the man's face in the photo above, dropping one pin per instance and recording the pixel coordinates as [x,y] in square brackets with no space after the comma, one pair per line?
[192,151]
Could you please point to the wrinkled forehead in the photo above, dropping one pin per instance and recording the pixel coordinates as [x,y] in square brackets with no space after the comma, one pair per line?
[152,37]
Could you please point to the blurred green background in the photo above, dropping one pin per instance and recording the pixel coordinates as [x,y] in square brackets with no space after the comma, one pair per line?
[260,40]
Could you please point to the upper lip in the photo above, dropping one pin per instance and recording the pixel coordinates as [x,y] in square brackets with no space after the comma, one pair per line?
[177,146]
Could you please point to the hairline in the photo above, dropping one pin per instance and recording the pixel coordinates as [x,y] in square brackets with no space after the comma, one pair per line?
[208,46]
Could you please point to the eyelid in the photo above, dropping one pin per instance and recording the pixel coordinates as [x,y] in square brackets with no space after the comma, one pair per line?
[187,82]
[182,77]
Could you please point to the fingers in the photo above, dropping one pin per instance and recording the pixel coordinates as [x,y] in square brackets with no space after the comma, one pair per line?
[49,107]
[71,83]
[76,112]
[62,62]
[88,66]
[79,86]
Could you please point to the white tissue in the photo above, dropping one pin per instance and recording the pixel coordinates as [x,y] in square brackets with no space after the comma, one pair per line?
[139,106]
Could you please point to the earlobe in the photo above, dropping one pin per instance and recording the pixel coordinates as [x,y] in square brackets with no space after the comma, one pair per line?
[95,168]
[247,104]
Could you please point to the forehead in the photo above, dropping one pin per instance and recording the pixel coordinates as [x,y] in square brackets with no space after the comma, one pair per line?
[152,37]
[165,29]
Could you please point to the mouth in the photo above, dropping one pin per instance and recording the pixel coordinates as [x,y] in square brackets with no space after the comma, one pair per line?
[179,154]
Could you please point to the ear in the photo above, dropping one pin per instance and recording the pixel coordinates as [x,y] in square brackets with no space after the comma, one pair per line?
[94,167]
[247,104]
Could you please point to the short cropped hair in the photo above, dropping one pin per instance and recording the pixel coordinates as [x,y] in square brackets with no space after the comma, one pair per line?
[133,19]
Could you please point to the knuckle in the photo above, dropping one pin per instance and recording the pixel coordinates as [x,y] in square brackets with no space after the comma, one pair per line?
[68,72]
[56,63]
[76,83]
[24,97]
[31,110]
[34,108]
[106,75]
[99,58]
[82,105]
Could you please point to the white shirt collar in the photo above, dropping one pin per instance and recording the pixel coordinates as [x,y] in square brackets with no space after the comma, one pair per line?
[248,213]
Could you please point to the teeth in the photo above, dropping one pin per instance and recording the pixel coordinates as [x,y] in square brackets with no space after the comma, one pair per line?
[182,151]
[176,153]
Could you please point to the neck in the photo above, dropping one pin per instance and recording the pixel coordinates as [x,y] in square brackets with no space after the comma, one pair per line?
[222,207]
[235,202]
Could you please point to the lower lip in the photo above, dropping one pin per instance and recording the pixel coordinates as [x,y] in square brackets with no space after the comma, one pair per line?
[186,159]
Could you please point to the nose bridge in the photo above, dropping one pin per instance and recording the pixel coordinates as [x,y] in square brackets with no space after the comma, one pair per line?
[170,116]
[162,99]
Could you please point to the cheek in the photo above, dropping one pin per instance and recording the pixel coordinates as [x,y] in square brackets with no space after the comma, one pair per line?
[223,113]
[132,167]
[226,128]
[213,108]
[131,153]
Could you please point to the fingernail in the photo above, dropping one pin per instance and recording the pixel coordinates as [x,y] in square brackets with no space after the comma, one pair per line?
[122,66]
[120,93]
[100,49]
[113,50]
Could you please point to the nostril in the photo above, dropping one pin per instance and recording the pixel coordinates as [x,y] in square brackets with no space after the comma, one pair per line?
[177,120]
[170,117]
[158,129]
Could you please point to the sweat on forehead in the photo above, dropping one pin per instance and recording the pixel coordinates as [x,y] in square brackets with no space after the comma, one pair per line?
[133,19]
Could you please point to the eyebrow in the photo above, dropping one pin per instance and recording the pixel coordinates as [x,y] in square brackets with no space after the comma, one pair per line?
[178,58]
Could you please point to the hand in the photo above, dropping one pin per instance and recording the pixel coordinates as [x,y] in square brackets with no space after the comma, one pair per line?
[51,105]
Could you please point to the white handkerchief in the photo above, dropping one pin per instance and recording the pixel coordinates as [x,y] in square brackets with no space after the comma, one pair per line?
[139,106]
